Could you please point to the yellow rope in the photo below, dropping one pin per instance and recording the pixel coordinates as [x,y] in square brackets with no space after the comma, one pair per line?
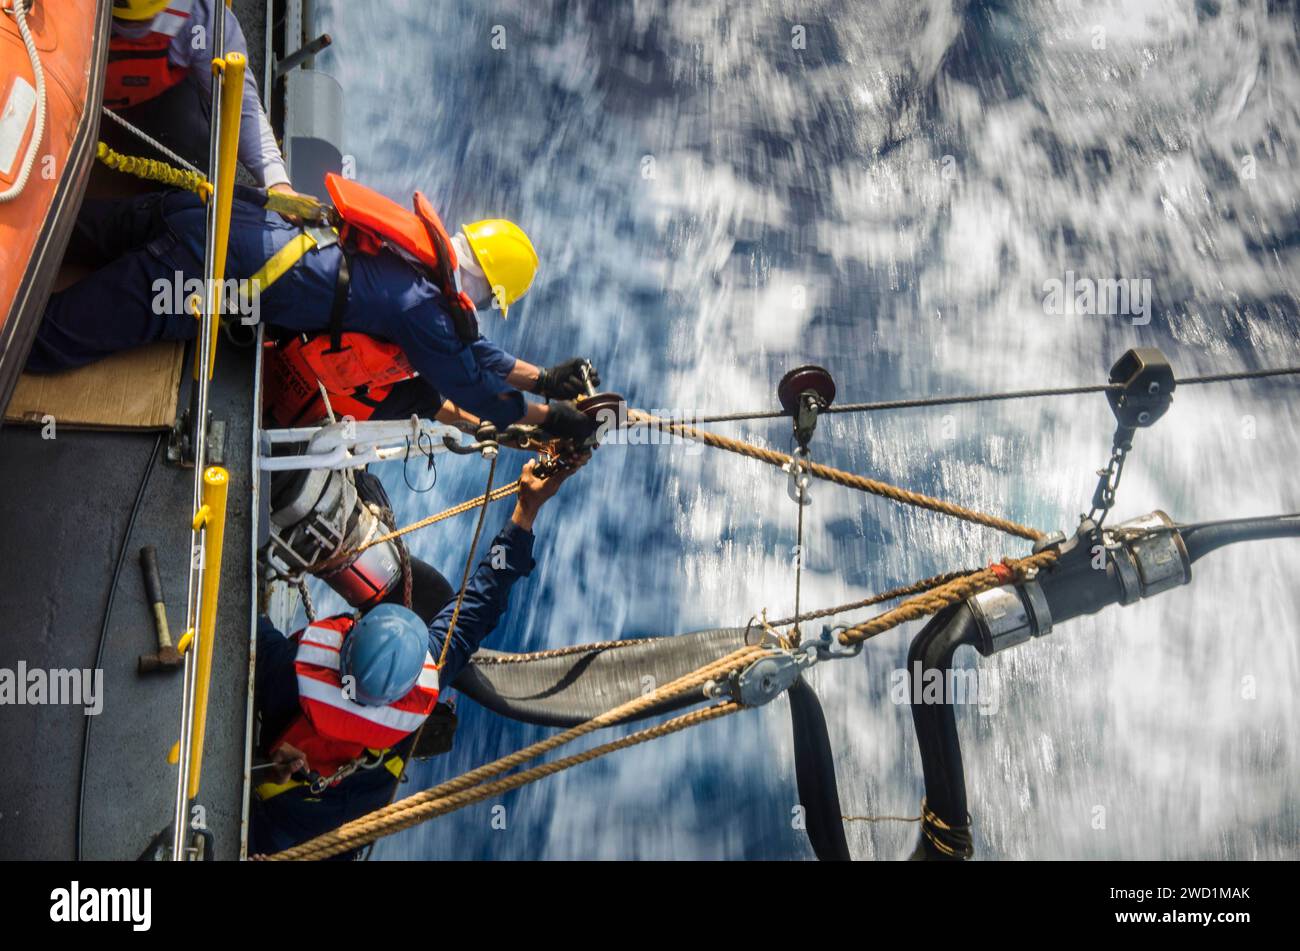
[154,170]
[952,841]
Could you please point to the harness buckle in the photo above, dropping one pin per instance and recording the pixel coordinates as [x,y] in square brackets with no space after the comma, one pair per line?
[323,236]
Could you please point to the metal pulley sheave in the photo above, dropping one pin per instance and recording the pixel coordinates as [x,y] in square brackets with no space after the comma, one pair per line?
[607,410]
[804,393]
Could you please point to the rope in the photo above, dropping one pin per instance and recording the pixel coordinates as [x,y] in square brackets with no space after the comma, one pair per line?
[431,809]
[493,496]
[467,788]
[914,588]
[1239,375]
[153,170]
[308,608]
[151,142]
[469,566]
[839,477]
[916,403]
[953,841]
[19,13]
[946,595]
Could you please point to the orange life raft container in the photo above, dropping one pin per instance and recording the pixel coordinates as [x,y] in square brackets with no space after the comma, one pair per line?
[55,105]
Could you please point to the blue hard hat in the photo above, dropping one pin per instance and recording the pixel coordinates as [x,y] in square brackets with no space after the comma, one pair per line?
[384,654]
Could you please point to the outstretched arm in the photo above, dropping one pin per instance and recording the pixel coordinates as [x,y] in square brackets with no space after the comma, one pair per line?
[509,558]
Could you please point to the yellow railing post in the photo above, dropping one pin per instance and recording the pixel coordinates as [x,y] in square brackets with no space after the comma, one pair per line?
[232,67]
[215,483]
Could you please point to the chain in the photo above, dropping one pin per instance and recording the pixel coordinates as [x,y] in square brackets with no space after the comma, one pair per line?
[1103,499]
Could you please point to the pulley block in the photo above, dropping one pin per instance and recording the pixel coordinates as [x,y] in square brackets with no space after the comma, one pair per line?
[804,393]
[1146,387]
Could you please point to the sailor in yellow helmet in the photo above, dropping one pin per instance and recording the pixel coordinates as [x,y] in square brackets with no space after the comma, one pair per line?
[358,312]
[159,78]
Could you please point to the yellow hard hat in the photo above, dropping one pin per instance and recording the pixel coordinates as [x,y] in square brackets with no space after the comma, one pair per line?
[138,9]
[507,257]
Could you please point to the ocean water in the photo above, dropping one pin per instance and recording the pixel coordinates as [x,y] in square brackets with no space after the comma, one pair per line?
[722,191]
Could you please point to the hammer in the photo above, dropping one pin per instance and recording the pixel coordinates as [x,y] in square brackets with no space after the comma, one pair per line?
[167,657]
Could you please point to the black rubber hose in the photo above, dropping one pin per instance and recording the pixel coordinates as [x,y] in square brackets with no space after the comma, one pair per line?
[1205,538]
[103,629]
[814,770]
[936,724]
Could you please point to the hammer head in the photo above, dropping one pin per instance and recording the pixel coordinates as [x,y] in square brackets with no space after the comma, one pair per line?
[167,658]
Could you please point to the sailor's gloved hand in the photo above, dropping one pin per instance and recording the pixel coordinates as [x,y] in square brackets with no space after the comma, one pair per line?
[564,381]
[564,420]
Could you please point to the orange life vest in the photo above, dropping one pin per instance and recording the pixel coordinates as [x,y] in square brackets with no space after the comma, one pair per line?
[139,70]
[332,730]
[358,370]
[291,373]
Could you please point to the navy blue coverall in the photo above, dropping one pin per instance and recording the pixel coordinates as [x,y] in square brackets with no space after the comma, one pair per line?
[298,815]
[149,239]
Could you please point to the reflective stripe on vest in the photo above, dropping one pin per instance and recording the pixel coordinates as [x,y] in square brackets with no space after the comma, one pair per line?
[140,69]
[334,730]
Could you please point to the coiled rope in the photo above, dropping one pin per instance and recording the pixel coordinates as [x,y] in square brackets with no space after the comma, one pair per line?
[19,13]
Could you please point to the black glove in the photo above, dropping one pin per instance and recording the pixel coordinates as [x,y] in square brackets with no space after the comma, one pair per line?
[564,381]
[564,420]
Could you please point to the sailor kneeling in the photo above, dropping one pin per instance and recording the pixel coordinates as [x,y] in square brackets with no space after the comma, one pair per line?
[343,697]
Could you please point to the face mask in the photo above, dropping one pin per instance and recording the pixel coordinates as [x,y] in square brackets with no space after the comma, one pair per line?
[472,281]
[478,289]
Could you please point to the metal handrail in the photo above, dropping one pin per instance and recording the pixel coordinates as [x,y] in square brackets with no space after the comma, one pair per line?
[207,528]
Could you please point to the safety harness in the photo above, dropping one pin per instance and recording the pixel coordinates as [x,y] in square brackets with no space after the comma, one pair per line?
[358,371]
[337,735]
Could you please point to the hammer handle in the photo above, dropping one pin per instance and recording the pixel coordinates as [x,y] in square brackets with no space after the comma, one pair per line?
[153,590]
[152,581]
